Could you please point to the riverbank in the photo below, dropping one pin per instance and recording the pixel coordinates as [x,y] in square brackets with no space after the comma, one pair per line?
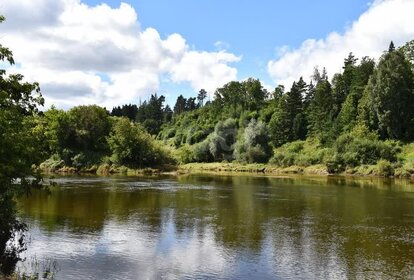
[110,169]
[378,170]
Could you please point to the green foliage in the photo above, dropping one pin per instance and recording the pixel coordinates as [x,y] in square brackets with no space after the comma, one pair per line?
[288,122]
[88,128]
[222,140]
[360,75]
[249,95]
[385,168]
[388,101]
[360,147]
[201,152]
[19,149]
[152,113]
[320,114]
[78,136]
[132,146]
[253,146]
[279,125]
[301,153]
[185,154]
[53,163]
[202,94]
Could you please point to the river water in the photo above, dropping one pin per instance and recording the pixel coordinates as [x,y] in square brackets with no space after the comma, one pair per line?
[222,227]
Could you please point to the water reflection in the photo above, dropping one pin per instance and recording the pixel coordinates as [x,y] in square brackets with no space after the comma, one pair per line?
[229,227]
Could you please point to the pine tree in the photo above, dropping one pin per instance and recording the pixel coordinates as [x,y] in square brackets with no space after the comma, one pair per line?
[388,101]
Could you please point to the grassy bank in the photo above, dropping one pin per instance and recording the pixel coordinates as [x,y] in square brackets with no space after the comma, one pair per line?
[381,169]
[108,169]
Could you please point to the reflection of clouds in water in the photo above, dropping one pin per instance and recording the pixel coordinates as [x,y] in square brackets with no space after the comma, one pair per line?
[292,250]
[131,251]
[125,229]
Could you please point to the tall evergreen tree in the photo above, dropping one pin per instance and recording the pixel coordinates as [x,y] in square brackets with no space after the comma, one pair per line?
[349,110]
[202,94]
[289,117]
[180,105]
[342,83]
[320,110]
[388,102]
[294,106]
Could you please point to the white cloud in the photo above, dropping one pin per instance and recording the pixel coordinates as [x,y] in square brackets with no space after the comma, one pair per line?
[69,47]
[370,35]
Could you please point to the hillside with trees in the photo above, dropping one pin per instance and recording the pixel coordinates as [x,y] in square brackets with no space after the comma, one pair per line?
[359,121]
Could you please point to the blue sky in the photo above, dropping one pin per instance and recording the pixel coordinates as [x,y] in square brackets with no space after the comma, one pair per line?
[109,52]
[252,29]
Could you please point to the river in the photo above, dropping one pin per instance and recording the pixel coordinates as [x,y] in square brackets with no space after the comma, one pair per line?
[222,227]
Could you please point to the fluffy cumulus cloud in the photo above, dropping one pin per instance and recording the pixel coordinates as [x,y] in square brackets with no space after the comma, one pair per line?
[370,35]
[83,55]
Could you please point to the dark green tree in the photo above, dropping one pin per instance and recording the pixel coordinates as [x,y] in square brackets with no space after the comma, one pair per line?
[191,104]
[180,105]
[388,101]
[342,83]
[349,110]
[132,146]
[231,95]
[280,125]
[202,94]
[89,126]
[408,51]
[253,145]
[151,113]
[168,113]
[254,94]
[18,151]
[319,113]
[294,107]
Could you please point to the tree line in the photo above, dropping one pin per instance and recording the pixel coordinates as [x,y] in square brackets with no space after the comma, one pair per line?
[368,108]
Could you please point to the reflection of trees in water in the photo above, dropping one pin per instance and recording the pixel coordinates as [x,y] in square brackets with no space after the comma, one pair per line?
[306,223]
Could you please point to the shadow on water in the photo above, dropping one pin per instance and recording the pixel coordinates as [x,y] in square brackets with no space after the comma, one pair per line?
[232,227]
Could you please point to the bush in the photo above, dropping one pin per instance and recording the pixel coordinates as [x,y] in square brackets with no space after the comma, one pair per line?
[335,165]
[301,153]
[253,145]
[53,163]
[132,146]
[196,136]
[79,160]
[201,152]
[385,168]
[185,154]
[358,151]
[283,159]
[170,133]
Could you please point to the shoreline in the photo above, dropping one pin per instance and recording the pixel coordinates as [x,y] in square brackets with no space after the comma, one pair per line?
[367,171]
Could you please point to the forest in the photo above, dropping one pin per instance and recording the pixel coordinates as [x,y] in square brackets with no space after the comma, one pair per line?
[359,121]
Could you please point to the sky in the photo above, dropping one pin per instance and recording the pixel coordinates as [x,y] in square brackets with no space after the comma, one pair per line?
[111,52]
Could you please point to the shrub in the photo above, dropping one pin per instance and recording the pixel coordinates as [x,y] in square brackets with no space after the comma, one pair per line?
[185,154]
[385,168]
[357,151]
[253,145]
[79,160]
[53,163]
[131,145]
[201,152]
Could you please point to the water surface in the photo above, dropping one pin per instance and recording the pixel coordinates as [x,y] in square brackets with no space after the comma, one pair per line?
[224,227]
